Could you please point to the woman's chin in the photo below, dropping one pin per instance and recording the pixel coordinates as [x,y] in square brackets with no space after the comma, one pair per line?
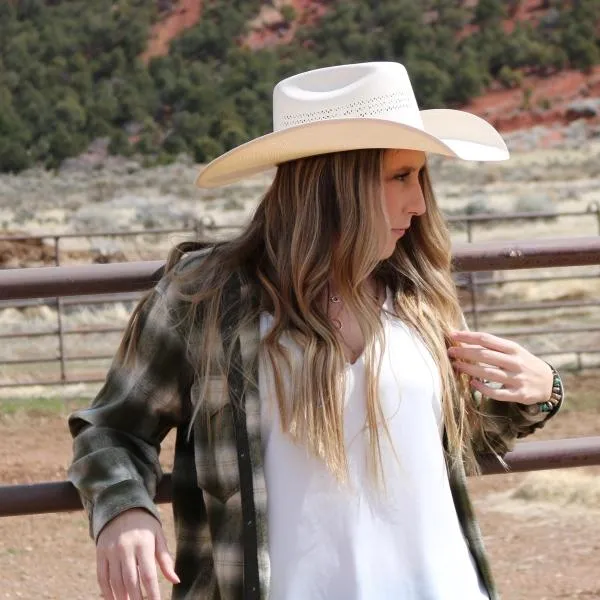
[388,251]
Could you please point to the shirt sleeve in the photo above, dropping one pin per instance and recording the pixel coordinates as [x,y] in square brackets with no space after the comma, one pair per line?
[503,423]
[116,441]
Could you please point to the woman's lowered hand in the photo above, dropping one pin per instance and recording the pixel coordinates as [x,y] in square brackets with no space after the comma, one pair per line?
[127,550]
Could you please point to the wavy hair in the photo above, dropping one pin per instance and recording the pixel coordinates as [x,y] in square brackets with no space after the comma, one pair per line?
[324,214]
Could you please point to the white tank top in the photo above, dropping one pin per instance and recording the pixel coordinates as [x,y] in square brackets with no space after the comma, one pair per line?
[330,541]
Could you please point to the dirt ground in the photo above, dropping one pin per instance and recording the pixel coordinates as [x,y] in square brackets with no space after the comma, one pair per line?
[539,551]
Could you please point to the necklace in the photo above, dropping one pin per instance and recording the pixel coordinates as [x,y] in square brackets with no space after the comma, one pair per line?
[353,346]
[350,338]
[335,299]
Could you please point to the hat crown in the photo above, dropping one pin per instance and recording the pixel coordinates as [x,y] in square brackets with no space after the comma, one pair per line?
[375,90]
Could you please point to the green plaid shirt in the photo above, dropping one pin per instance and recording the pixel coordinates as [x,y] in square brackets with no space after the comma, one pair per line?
[219,491]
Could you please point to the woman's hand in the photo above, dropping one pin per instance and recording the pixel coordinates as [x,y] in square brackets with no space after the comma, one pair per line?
[126,551]
[525,378]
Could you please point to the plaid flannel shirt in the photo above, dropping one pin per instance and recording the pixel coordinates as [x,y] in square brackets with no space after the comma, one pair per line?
[219,491]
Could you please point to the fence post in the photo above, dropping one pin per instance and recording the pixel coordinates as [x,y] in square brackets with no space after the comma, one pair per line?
[59,322]
[472,282]
[199,230]
[473,292]
[203,224]
[594,207]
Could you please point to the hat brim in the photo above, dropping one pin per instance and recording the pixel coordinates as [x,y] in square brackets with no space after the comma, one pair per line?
[448,132]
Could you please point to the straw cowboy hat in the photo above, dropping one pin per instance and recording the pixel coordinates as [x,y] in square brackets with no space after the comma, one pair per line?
[348,107]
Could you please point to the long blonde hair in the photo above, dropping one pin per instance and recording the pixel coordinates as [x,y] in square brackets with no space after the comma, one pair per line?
[324,214]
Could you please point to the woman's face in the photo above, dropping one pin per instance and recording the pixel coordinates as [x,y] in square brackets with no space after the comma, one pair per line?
[403,196]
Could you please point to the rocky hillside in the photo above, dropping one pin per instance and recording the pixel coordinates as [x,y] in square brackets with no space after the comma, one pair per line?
[160,78]
[552,100]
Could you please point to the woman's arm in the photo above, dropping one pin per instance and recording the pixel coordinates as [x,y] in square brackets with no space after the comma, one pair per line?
[516,391]
[117,440]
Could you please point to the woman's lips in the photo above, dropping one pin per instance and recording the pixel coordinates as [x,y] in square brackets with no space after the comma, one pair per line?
[399,232]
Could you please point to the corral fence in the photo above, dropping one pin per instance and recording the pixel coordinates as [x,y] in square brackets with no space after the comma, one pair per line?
[128,277]
[473,283]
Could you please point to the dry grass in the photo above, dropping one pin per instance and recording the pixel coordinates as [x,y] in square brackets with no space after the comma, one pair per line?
[583,392]
[17,398]
[561,488]
[545,496]
[18,409]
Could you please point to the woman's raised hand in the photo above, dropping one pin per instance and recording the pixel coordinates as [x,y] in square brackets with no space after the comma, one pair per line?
[525,378]
[127,551]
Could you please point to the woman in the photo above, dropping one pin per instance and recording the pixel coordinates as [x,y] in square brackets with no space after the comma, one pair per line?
[314,369]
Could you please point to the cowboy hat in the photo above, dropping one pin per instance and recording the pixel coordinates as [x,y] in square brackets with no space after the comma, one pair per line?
[349,107]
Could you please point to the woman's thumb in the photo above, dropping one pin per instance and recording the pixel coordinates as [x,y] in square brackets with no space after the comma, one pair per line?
[164,558]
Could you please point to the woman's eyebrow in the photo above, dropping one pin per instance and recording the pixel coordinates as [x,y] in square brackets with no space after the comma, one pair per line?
[409,168]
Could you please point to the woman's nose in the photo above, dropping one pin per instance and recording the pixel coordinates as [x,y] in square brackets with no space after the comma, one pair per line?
[417,205]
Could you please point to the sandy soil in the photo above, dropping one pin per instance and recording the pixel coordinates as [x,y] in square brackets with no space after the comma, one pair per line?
[541,550]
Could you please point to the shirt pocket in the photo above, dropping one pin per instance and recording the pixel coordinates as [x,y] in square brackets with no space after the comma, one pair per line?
[215,450]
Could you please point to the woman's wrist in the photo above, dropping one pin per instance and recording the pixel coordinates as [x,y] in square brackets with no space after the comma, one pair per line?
[552,404]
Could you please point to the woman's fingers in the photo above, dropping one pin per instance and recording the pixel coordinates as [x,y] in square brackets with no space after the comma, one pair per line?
[501,394]
[129,570]
[115,577]
[164,558]
[486,340]
[479,354]
[148,574]
[103,578]
[482,372]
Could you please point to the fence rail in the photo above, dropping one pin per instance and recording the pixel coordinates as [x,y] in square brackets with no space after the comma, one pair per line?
[61,496]
[133,276]
[102,283]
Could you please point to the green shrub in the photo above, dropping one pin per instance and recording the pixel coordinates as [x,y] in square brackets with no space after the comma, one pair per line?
[288,12]
[13,156]
[119,144]
[510,78]
[205,149]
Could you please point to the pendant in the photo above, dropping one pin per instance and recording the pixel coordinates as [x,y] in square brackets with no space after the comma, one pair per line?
[335,299]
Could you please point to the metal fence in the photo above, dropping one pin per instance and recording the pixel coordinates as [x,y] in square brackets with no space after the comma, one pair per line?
[77,280]
[471,221]
[93,284]
[473,281]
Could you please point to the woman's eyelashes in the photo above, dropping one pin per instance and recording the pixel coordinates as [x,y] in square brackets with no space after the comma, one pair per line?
[404,175]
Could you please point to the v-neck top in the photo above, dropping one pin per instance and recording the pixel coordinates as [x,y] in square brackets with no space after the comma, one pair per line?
[354,541]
